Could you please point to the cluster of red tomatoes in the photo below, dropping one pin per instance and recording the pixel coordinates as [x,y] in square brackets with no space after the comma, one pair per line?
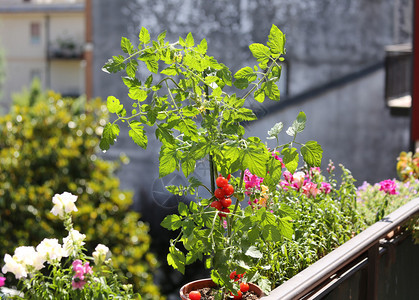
[244,287]
[223,194]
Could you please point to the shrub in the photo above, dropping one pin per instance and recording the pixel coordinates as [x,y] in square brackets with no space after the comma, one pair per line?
[48,146]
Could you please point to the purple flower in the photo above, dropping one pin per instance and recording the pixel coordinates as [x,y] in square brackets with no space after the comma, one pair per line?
[389,187]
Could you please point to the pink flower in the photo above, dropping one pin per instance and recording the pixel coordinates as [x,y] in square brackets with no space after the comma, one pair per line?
[2,280]
[288,176]
[285,185]
[325,187]
[251,181]
[79,271]
[389,187]
[278,158]
[310,189]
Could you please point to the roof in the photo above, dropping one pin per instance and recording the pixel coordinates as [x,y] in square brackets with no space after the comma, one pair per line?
[44,8]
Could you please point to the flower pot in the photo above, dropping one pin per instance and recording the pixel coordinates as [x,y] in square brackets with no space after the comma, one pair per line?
[203,283]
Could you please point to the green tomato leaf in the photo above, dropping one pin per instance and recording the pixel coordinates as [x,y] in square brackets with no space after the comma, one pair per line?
[298,125]
[161,37]
[144,35]
[259,95]
[260,52]
[171,222]
[189,40]
[152,66]
[188,166]
[171,71]
[276,40]
[183,209]
[136,93]
[168,161]
[137,134]
[109,135]
[241,83]
[247,73]
[271,90]
[176,259]
[254,157]
[113,105]
[202,47]
[126,45]
[114,64]
[312,153]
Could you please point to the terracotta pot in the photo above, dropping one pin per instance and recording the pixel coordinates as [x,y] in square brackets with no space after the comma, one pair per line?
[203,283]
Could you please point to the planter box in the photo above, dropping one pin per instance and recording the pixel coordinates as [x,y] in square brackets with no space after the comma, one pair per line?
[371,257]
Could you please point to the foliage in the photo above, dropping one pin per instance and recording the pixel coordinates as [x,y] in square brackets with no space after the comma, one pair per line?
[51,147]
[73,278]
[195,119]
[323,215]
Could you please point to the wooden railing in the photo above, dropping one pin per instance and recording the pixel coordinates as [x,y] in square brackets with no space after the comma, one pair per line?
[361,252]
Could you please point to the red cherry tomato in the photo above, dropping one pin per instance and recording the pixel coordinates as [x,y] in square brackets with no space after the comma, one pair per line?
[221,181]
[239,295]
[217,205]
[228,190]
[244,287]
[233,275]
[228,177]
[219,193]
[225,202]
[194,295]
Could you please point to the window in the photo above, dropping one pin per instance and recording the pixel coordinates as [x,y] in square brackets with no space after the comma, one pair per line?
[35,33]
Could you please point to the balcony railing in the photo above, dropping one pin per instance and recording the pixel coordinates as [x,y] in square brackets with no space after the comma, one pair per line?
[65,52]
[361,253]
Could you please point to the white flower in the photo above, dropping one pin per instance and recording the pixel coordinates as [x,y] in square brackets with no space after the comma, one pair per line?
[63,204]
[28,256]
[73,241]
[51,250]
[299,178]
[100,254]
[13,266]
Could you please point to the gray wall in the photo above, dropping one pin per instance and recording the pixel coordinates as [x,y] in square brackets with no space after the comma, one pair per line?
[325,40]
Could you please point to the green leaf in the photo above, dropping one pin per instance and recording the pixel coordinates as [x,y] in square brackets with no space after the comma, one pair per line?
[164,135]
[152,66]
[259,95]
[241,83]
[171,71]
[188,166]
[254,157]
[260,52]
[202,47]
[298,125]
[161,37]
[171,222]
[183,209]
[290,158]
[189,40]
[113,105]
[276,40]
[126,45]
[285,227]
[245,114]
[247,73]
[271,233]
[271,90]
[168,161]
[188,128]
[312,153]
[114,64]
[176,259]
[136,93]
[254,252]
[144,35]
[131,68]
[137,134]
[109,134]
[225,75]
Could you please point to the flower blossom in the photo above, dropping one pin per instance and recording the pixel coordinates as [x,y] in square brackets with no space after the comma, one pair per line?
[325,187]
[251,181]
[100,254]
[2,280]
[63,204]
[73,241]
[389,187]
[298,180]
[80,270]
[12,265]
[51,250]
[310,189]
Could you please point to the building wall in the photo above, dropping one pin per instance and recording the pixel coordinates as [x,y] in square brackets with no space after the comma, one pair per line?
[26,56]
[325,40]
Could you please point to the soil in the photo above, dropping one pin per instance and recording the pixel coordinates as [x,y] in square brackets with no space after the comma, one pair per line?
[208,294]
